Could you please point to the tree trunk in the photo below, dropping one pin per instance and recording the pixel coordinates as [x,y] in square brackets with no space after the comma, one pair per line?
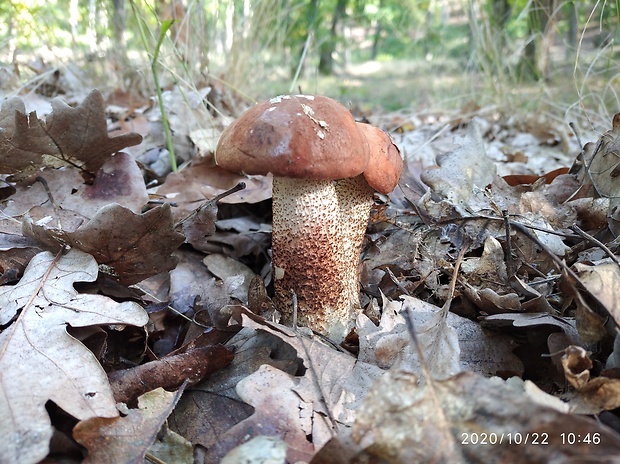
[327,48]
[571,35]
[310,28]
[541,25]
[500,13]
[375,42]
[118,21]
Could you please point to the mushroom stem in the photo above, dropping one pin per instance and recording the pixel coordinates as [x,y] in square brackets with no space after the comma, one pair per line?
[318,229]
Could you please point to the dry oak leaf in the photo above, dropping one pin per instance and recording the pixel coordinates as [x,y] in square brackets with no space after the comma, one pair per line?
[209,410]
[602,280]
[128,439]
[69,136]
[40,361]
[200,181]
[603,162]
[118,181]
[602,168]
[334,383]
[278,411]
[129,247]
[462,175]
[450,343]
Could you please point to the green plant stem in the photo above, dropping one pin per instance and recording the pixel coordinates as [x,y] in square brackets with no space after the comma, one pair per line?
[165,25]
[164,118]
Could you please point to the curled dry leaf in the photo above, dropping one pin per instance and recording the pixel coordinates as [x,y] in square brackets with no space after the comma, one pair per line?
[390,344]
[532,320]
[603,162]
[129,247]
[69,137]
[36,313]
[127,439]
[224,267]
[590,322]
[168,372]
[593,394]
[602,166]
[200,224]
[485,280]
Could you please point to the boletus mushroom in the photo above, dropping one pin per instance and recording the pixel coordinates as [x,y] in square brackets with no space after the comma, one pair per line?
[325,169]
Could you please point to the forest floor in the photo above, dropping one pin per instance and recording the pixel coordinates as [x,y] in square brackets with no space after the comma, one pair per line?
[132,299]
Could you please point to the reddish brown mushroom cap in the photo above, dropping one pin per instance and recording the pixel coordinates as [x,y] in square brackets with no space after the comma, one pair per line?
[298,136]
[385,163]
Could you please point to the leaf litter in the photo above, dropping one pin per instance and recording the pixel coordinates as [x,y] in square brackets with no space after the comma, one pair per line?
[511,337]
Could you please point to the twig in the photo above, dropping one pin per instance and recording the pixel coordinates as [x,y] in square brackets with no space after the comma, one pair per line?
[446,306]
[431,388]
[598,243]
[560,263]
[294,303]
[319,385]
[302,59]
[43,182]
[240,186]
[395,281]
[510,265]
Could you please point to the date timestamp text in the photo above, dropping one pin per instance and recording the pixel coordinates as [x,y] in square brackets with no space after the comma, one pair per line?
[528,438]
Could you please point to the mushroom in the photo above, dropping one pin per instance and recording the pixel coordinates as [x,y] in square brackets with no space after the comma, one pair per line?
[325,169]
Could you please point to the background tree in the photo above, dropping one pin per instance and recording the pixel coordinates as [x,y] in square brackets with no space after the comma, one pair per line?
[328,46]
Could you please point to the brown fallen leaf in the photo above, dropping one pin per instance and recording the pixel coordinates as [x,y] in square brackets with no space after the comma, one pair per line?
[128,439]
[462,174]
[450,344]
[279,411]
[129,247]
[590,319]
[468,418]
[36,313]
[334,382]
[69,137]
[209,410]
[202,181]
[118,181]
[598,170]
[518,179]
[602,280]
[169,372]
[602,162]
[199,224]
